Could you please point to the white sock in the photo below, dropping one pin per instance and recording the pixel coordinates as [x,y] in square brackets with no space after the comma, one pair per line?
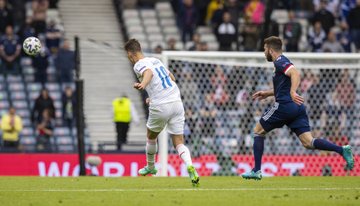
[151,149]
[184,153]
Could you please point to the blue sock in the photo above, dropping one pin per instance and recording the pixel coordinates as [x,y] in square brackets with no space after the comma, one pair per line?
[258,148]
[323,144]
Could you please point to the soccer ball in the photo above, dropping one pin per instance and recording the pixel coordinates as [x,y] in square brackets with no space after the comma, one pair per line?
[32,46]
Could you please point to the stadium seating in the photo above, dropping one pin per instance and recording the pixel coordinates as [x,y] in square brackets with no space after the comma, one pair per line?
[22,90]
[156,28]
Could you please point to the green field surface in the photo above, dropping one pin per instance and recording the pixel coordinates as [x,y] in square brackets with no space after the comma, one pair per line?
[146,191]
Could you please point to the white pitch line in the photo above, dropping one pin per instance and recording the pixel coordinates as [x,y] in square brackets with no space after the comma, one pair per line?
[187,189]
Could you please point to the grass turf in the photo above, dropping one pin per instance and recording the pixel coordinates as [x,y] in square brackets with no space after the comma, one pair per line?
[88,191]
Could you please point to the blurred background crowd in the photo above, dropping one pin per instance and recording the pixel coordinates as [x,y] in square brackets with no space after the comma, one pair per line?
[238,25]
[37,100]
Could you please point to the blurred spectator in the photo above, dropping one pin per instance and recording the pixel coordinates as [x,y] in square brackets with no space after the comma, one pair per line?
[292,33]
[212,7]
[243,97]
[65,63]
[53,37]
[217,18]
[123,112]
[226,33]
[346,6]
[208,114]
[18,12]
[39,8]
[331,5]
[201,6]
[158,49]
[189,90]
[316,37]
[171,44]
[254,15]
[68,107]
[43,102]
[10,50]
[346,95]
[53,4]
[254,12]
[354,24]
[344,37]
[204,46]
[331,44]
[218,78]
[273,28]
[187,19]
[307,81]
[191,131]
[233,8]
[11,125]
[196,39]
[45,129]
[250,36]
[27,30]
[218,82]
[41,62]
[331,115]
[6,16]
[326,18]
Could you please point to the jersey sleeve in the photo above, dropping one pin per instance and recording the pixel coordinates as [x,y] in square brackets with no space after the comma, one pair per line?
[140,67]
[283,66]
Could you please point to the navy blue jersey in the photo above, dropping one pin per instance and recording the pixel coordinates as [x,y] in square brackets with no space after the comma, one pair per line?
[282,83]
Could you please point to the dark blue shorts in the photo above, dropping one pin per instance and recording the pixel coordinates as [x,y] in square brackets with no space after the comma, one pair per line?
[290,114]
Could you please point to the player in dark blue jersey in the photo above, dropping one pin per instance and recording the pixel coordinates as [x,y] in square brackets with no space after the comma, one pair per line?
[288,110]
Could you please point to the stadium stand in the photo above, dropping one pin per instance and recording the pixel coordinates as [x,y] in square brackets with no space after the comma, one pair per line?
[21,90]
[105,68]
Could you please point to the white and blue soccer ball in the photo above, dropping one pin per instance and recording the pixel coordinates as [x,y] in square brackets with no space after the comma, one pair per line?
[32,46]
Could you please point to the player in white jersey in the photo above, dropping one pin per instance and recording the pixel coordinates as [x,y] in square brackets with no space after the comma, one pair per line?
[165,107]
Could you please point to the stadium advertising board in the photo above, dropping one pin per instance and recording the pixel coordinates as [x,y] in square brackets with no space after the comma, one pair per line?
[115,165]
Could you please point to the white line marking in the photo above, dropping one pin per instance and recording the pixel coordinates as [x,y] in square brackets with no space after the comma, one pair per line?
[186,189]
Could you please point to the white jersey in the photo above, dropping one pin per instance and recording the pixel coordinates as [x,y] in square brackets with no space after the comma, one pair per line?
[161,88]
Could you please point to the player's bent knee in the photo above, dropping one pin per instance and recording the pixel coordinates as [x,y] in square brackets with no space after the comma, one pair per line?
[306,140]
[258,130]
[307,144]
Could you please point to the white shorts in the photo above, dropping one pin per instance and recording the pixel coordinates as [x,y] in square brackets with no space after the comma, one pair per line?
[171,114]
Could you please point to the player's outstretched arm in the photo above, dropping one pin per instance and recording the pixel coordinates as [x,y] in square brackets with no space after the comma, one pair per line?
[147,76]
[294,74]
[260,95]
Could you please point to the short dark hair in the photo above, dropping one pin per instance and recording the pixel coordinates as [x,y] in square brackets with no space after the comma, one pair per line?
[132,46]
[274,43]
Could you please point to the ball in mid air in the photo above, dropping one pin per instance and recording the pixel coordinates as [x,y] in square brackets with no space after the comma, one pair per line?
[32,46]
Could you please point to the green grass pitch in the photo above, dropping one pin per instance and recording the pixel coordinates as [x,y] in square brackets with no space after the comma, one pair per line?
[88,191]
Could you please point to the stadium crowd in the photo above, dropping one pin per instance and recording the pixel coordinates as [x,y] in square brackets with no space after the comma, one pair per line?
[37,93]
[319,25]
